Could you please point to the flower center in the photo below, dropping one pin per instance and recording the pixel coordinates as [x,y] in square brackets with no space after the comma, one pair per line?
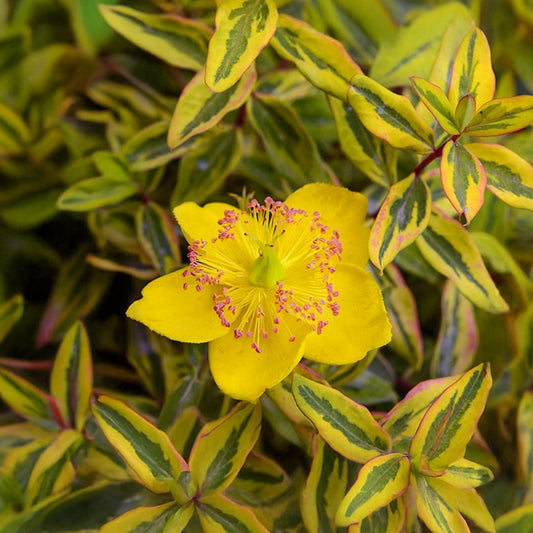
[267,269]
[287,290]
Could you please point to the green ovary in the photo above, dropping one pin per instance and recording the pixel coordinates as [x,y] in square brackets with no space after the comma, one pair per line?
[267,269]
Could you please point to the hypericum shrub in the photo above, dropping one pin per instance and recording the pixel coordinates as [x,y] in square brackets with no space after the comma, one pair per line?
[322,209]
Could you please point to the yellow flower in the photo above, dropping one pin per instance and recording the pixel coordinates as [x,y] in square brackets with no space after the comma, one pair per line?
[270,285]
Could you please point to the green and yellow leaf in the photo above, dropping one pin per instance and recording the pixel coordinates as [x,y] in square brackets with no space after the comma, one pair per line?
[465,111]
[178,41]
[71,381]
[463,179]
[449,248]
[467,501]
[509,177]
[324,488]
[159,237]
[369,154]
[403,215]
[437,102]
[520,519]
[524,426]
[389,116]
[472,70]
[501,116]
[10,313]
[23,397]
[439,514]
[465,474]
[458,336]
[290,147]
[388,519]
[321,59]
[222,446]
[449,423]
[142,518]
[179,520]
[218,514]
[380,480]
[53,472]
[14,132]
[199,108]
[346,426]
[93,193]
[243,29]
[146,449]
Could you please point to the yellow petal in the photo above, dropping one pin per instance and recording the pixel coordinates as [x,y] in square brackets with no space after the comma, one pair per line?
[361,324]
[200,223]
[340,209]
[179,314]
[243,374]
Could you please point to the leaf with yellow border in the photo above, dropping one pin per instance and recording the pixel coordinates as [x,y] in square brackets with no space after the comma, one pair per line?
[320,58]
[71,380]
[10,313]
[509,177]
[449,423]
[472,70]
[146,449]
[520,519]
[463,179]
[465,474]
[379,481]
[389,116]
[346,426]
[449,248]
[403,215]
[222,446]
[243,29]
[178,41]
[501,116]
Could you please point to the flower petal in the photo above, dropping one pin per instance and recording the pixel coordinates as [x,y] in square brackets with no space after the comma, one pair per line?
[200,223]
[243,374]
[179,314]
[361,325]
[340,209]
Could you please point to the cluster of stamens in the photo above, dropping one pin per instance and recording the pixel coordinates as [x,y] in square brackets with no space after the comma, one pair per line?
[302,245]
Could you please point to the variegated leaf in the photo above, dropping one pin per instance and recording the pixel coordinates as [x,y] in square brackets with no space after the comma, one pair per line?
[199,108]
[346,426]
[218,514]
[71,381]
[243,28]
[472,70]
[465,111]
[10,313]
[509,176]
[389,116]
[517,520]
[142,518]
[146,449]
[458,336]
[158,236]
[222,446]
[524,426]
[24,398]
[14,132]
[467,501]
[292,150]
[403,215]
[448,247]
[463,179]
[53,472]
[179,520]
[388,519]
[321,59]
[436,512]
[324,488]
[465,474]
[437,103]
[178,41]
[379,481]
[501,116]
[449,423]
[403,315]
[369,154]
